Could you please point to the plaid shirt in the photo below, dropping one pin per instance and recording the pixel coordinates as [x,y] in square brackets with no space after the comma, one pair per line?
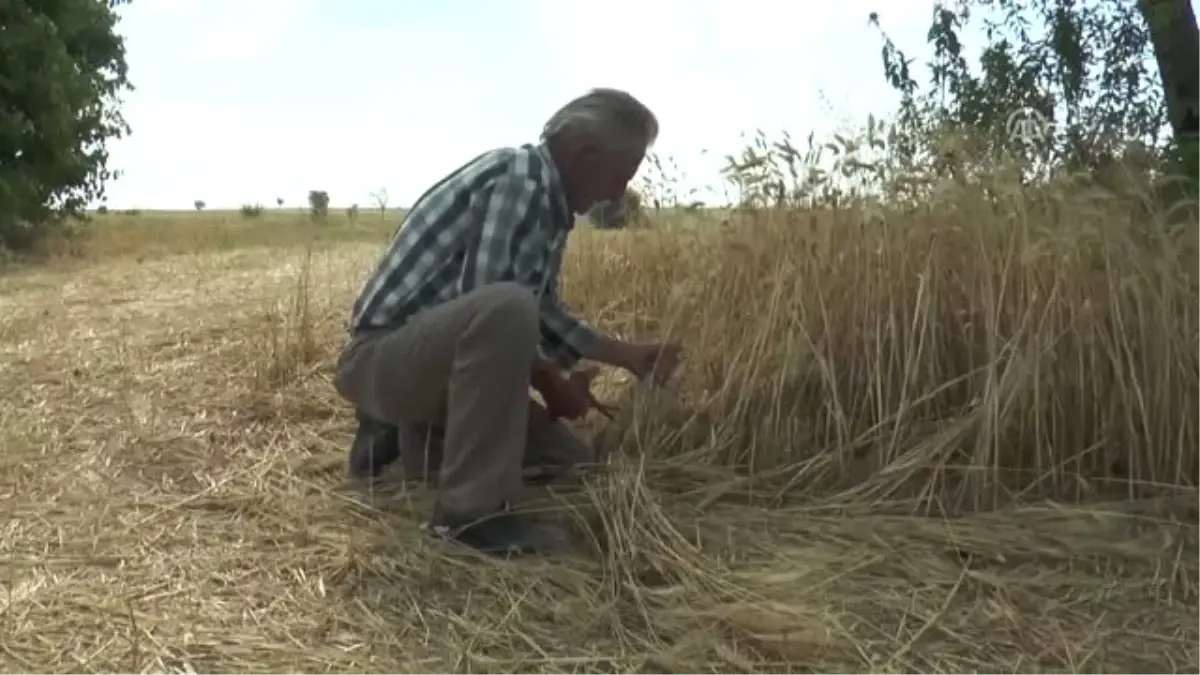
[501,217]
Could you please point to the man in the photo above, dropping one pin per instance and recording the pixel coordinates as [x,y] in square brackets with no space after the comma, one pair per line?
[462,316]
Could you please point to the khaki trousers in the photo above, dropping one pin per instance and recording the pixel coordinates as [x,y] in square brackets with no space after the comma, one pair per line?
[463,366]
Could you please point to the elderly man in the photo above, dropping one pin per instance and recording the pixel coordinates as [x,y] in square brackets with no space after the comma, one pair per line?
[461,317]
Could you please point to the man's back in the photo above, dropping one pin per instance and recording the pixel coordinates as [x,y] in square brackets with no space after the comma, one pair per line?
[450,241]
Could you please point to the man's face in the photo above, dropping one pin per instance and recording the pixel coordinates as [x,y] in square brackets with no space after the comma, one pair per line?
[601,176]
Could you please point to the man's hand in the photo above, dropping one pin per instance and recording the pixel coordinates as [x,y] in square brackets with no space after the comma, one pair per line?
[565,397]
[656,361]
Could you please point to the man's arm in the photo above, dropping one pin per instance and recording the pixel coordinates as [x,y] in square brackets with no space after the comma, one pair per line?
[569,339]
[608,350]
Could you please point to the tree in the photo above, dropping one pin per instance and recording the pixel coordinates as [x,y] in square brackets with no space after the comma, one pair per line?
[279,202]
[380,197]
[1176,40]
[318,204]
[62,69]
[352,213]
[199,204]
[619,214]
[1081,66]
[251,210]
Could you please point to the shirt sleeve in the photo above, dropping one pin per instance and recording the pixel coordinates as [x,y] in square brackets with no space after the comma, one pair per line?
[564,338]
[514,246]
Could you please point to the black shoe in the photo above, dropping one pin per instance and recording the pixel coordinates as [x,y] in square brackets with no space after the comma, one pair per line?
[375,447]
[505,533]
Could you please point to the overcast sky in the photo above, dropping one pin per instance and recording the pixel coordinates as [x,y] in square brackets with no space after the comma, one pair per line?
[241,102]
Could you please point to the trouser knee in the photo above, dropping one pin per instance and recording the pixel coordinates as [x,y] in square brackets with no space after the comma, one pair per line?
[507,314]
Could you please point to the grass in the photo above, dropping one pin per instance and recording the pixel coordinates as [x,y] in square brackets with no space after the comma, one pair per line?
[959,440]
[155,234]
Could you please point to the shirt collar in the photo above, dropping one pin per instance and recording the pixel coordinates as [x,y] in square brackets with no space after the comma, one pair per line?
[555,185]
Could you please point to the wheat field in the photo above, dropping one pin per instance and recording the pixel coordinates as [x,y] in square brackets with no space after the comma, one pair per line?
[963,439]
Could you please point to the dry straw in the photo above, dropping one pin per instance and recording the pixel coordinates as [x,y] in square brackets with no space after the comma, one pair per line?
[963,439]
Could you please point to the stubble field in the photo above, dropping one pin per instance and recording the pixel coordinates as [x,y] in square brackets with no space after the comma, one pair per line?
[960,441]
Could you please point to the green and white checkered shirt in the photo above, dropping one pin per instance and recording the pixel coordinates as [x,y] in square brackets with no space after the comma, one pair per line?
[501,217]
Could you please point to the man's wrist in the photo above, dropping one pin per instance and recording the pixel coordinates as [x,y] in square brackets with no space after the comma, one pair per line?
[610,351]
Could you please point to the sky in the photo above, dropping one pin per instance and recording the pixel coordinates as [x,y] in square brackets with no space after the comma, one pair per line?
[243,102]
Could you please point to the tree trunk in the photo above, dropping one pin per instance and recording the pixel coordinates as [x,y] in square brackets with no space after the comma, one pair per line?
[1173,32]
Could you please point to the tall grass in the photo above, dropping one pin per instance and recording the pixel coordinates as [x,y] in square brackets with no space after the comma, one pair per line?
[994,344]
[983,344]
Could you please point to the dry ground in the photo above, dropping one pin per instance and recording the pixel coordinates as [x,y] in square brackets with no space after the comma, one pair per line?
[916,458]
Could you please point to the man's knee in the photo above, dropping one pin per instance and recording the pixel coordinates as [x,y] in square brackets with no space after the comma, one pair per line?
[507,309]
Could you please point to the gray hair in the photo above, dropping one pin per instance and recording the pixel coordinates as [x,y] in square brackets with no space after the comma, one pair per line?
[610,118]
